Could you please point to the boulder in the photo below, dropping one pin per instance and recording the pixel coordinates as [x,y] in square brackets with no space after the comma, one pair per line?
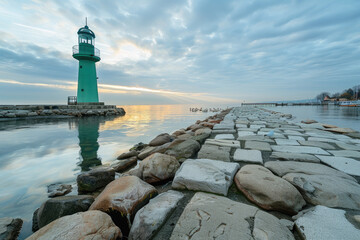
[58,207]
[268,191]
[122,198]
[127,155]
[95,179]
[205,175]
[55,190]
[150,150]
[178,132]
[214,152]
[202,131]
[158,167]
[185,149]
[209,216]
[323,223]
[200,138]
[86,225]
[10,228]
[150,218]
[160,139]
[121,165]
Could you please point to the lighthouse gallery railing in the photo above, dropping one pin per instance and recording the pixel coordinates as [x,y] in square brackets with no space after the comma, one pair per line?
[86,49]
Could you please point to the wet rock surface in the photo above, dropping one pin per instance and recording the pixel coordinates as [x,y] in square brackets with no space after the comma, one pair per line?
[95,179]
[10,228]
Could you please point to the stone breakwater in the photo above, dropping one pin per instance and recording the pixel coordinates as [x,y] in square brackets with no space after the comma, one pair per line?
[245,173]
[11,112]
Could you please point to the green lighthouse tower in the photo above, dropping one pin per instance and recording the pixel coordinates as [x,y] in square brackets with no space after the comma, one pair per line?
[88,55]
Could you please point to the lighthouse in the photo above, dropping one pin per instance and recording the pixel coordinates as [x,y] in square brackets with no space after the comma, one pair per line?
[87,55]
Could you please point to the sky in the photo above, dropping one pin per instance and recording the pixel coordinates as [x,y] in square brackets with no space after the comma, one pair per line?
[178,51]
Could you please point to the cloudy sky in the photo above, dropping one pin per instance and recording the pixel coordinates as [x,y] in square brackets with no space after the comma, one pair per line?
[195,51]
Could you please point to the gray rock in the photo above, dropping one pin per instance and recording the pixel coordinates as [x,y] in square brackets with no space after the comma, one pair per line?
[344,164]
[185,149]
[58,207]
[262,146]
[200,138]
[224,126]
[274,135]
[286,142]
[10,228]
[323,145]
[287,223]
[298,138]
[10,115]
[299,149]
[55,190]
[224,131]
[300,157]
[245,134]
[214,152]
[252,156]
[150,218]
[126,155]
[256,138]
[159,149]
[160,139]
[158,167]
[122,165]
[209,216]
[268,191]
[84,225]
[95,179]
[346,153]
[205,175]
[347,146]
[323,223]
[202,131]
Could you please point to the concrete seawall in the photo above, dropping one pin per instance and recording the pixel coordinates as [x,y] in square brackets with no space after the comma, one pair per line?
[10,112]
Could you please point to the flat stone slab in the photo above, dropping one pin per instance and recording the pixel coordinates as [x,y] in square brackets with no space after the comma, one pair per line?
[257,126]
[214,152]
[205,175]
[347,146]
[323,223]
[150,218]
[223,143]
[300,157]
[319,144]
[294,133]
[208,216]
[340,130]
[220,131]
[272,135]
[299,149]
[345,153]
[254,130]
[299,138]
[225,137]
[262,146]
[243,155]
[344,164]
[245,133]
[256,138]
[241,125]
[286,142]
[322,139]
[224,126]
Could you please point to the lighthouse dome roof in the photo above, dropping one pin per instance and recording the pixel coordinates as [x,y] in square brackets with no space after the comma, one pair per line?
[86,30]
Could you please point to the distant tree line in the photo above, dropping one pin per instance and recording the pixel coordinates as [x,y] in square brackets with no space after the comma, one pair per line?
[350,94]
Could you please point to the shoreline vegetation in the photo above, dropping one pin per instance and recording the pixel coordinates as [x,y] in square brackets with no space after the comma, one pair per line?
[242,173]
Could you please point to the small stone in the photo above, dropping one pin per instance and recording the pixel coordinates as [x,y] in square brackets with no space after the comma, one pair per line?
[55,190]
[252,156]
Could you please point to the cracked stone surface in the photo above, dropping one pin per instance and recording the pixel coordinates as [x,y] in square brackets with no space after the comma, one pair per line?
[344,164]
[205,175]
[150,218]
[208,216]
[323,223]
[299,149]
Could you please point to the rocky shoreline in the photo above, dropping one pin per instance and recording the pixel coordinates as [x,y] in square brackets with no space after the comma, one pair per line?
[245,173]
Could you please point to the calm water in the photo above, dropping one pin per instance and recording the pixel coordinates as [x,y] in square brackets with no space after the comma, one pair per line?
[348,117]
[34,154]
